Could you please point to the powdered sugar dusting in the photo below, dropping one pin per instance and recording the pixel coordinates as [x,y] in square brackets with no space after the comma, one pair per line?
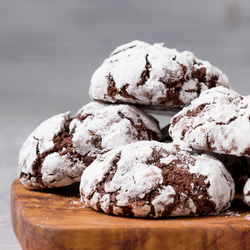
[112,124]
[146,74]
[134,178]
[58,151]
[246,193]
[59,171]
[220,180]
[40,139]
[212,123]
[229,213]
[165,198]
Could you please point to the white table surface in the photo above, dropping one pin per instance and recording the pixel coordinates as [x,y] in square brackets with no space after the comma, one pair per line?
[49,49]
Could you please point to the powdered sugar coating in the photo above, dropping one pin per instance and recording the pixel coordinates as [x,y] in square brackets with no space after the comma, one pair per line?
[146,74]
[60,148]
[39,141]
[59,170]
[112,126]
[217,121]
[153,179]
[246,193]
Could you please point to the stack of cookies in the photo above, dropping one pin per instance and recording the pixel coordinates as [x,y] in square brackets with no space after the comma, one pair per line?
[125,163]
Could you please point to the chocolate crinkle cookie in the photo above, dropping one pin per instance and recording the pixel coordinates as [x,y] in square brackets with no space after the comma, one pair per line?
[217,121]
[154,179]
[59,149]
[153,75]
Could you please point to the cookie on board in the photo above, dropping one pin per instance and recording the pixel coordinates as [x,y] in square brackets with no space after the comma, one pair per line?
[60,148]
[217,121]
[153,76]
[154,179]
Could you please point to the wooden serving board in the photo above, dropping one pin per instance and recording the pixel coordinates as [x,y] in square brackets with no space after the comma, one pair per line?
[55,219]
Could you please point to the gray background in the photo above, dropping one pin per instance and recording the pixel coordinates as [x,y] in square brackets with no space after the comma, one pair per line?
[50,48]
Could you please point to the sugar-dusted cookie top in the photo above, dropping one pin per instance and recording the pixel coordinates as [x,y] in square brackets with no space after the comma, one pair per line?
[60,148]
[217,121]
[153,75]
[153,179]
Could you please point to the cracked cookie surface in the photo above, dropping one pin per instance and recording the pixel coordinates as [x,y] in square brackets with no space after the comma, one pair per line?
[153,75]
[153,179]
[59,149]
[217,121]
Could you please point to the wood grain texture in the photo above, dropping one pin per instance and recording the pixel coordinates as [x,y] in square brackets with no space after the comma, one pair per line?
[55,219]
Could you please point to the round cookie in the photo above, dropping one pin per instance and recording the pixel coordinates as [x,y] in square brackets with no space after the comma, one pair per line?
[60,148]
[154,179]
[153,76]
[217,121]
